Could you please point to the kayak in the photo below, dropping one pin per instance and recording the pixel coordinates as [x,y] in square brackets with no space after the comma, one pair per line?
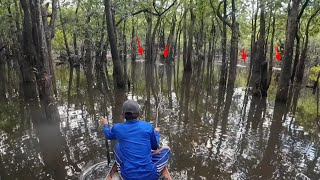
[114,175]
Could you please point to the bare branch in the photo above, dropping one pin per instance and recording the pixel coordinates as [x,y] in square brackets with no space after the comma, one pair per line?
[146,11]
[302,9]
[221,18]
[154,6]
[53,18]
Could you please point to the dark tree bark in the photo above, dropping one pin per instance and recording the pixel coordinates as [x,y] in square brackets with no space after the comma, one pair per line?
[253,43]
[117,67]
[64,32]
[3,79]
[270,64]
[170,56]
[297,54]
[49,29]
[148,55]
[301,65]
[133,43]
[37,81]
[124,42]
[177,37]
[292,25]
[76,51]
[188,66]
[154,48]
[224,68]
[101,55]
[234,47]
[88,59]
[260,64]
[184,57]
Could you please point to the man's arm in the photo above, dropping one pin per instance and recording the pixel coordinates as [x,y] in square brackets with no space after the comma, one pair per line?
[108,132]
[155,138]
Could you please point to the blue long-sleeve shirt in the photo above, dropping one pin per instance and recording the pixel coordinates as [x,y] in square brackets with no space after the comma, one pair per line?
[136,140]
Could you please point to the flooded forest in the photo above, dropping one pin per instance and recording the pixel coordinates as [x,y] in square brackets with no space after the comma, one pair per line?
[233,84]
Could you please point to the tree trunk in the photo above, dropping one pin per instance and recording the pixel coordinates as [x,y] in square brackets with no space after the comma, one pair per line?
[148,55]
[224,68]
[184,57]
[170,56]
[154,49]
[76,51]
[117,67]
[260,64]
[188,67]
[35,67]
[49,29]
[291,31]
[234,47]
[301,65]
[3,79]
[296,59]
[100,60]
[253,44]
[270,64]
[133,43]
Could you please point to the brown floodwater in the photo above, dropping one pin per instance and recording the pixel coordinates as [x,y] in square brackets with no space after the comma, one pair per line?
[214,131]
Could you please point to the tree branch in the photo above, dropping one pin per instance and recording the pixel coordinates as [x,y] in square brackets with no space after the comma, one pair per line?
[302,9]
[146,11]
[220,17]
[154,6]
[53,18]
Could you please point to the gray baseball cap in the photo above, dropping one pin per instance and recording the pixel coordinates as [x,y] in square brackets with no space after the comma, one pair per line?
[130,106]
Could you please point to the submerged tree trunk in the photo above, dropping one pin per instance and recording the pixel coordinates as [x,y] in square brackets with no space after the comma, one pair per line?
[282,91]
[117,67]
[35,66]
[76,51]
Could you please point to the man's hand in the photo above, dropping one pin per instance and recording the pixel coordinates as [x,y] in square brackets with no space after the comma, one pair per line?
[157,129]
[155,152]
[104,121]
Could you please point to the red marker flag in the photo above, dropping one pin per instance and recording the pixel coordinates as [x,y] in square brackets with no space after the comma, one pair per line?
[166,51]
[244,55]
[278,55]
[140,49]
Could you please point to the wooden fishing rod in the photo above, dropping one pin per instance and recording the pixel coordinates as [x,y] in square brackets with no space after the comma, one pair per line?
[105,115]
[158,106]
[106,142]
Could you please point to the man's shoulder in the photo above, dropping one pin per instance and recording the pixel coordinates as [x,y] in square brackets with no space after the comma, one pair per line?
[118,125]
[145,123]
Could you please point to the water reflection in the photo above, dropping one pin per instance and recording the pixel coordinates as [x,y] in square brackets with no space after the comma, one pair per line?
[215,132]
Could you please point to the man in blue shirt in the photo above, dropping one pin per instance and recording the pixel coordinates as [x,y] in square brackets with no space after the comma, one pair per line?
[136,152]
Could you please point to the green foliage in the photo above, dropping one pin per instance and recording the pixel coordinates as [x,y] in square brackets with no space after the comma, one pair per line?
[307,110]
[314,71]
[9,116]
[58,41]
